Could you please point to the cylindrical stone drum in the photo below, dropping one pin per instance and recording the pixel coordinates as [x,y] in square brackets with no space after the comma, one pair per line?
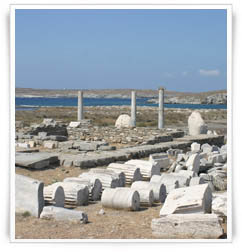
[54,195]
[118,174]
[94,186]
[121,198]
[132,172]
[75,194]
[170,182]
[159,189]
[107,180]
[146,197]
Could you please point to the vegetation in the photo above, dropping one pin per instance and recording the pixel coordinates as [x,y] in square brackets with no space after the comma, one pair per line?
[106,116]
[26,214]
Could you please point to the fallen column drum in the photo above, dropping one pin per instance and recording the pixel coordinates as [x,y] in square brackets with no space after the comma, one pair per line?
[75,194]
[159,190]
[132,172]
[54,195]
[121,198]
[94,186]
[107,180]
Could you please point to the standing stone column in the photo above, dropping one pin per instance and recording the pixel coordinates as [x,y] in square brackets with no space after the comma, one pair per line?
[80,114]
[133,109]
[161,109]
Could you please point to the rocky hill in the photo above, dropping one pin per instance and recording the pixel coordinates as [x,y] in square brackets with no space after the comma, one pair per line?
[219,98]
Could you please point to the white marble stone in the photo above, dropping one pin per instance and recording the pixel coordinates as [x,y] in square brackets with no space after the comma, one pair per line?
[123,121]
[186,200]
[193,163]
[196,124]
[187,226]
[63,214]
[28,195]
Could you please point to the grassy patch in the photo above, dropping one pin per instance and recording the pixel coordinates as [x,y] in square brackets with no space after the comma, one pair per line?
[26,214]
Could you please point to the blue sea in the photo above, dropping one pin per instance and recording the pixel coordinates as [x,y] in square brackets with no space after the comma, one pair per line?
[32,103]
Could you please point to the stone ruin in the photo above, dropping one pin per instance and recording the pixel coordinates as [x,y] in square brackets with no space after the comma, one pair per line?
[189,193]
[184,182]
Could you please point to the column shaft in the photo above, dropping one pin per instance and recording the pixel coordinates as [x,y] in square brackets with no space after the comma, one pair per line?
[80,114]
[133,109]
[161,109]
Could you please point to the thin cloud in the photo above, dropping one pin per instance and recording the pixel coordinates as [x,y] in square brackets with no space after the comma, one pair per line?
[168,75]
[185,73]
[214,72]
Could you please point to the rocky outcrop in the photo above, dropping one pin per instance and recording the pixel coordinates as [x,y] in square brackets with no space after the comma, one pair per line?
[220,98]
[215,99]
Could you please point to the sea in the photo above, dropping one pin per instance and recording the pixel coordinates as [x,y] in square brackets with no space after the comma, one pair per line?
[33,103]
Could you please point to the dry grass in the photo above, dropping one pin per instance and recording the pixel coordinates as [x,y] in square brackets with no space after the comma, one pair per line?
[102,116]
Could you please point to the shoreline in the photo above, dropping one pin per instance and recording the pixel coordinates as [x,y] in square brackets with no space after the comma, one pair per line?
[171,97]
[147,100]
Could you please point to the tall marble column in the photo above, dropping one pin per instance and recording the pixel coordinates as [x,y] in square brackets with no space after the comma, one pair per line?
[80,114]
[161,109]
[133,109]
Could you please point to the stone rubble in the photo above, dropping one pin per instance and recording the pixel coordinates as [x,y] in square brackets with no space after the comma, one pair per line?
[187,193]
[219,204]
[160,159]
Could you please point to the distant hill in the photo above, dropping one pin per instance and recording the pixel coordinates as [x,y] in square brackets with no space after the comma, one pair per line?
[111,93]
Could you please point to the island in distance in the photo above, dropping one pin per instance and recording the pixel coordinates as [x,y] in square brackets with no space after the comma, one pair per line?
[211,97]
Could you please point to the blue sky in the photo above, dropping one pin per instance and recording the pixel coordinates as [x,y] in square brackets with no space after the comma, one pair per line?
[183,50]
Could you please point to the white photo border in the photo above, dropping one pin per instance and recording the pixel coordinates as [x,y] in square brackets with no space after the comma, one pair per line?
[227,7]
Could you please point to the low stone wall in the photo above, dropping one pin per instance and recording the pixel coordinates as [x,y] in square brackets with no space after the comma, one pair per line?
[202,139]
[136,152]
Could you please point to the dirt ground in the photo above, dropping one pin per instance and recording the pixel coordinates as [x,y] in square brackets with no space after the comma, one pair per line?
[114,224]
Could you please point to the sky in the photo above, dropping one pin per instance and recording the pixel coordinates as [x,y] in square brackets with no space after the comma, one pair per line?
[182,50]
